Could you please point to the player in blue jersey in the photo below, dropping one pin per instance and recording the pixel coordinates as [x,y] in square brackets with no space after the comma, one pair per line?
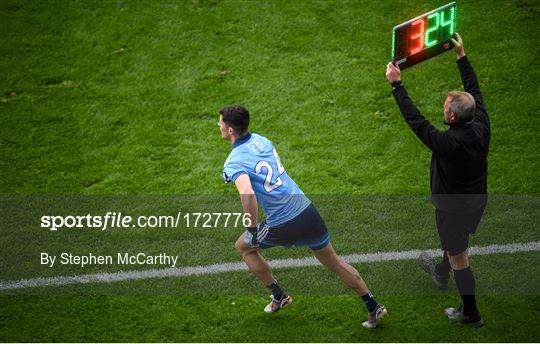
[291,219]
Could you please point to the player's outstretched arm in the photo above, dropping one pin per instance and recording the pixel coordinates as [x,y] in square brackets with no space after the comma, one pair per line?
[247,196]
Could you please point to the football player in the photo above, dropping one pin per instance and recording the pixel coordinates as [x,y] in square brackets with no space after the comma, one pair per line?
[291,219]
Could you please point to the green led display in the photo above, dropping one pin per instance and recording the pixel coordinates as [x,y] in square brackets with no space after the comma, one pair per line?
[425,36]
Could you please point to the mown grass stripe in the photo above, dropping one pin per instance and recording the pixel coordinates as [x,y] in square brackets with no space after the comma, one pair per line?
[238,266]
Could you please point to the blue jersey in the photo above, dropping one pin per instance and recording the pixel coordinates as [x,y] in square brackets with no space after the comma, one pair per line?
[279,196]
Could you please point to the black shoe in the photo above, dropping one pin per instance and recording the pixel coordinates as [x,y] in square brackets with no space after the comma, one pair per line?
[428,264]
[456,314]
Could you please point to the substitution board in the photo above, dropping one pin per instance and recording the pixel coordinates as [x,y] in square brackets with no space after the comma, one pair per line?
[424,37]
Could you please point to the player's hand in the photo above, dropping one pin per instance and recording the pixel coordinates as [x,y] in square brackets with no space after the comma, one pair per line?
[393,73]
[458,45]
[254,240]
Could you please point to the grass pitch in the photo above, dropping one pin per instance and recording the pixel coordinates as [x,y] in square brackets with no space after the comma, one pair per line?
[121,98]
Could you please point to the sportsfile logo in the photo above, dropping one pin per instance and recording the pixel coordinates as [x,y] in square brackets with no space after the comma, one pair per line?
[119,220]
[104,222]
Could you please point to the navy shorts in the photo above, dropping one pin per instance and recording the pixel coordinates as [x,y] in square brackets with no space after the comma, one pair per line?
[455,228]
[306,229]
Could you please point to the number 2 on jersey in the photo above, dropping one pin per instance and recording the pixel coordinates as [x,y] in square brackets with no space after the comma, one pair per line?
[268,186]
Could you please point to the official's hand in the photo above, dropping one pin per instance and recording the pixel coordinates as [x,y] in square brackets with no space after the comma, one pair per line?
[458,45]
[393,73]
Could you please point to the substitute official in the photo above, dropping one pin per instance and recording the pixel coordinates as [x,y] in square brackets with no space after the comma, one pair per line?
[458,176]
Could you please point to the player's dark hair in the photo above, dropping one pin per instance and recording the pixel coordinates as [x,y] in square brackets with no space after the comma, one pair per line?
[463,105]
[237,117]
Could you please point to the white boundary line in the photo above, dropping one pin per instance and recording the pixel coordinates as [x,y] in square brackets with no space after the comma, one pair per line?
[107,277]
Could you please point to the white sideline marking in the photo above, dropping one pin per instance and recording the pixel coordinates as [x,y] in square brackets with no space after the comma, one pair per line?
[106,277]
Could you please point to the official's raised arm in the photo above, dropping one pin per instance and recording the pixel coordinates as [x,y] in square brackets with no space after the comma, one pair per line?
[434,139]
[470,81]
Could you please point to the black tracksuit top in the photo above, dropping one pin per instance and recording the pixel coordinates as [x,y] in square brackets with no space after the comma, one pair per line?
[459,155]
